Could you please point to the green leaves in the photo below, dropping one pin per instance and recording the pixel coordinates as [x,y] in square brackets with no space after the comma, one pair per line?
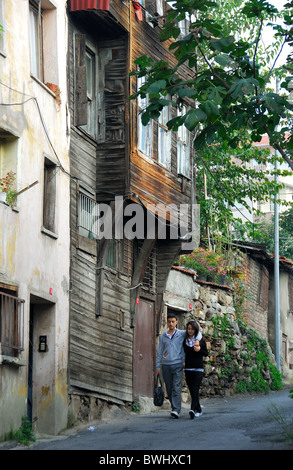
[193,118]
[242,87]
[229,92]
[156,87]
[258,9]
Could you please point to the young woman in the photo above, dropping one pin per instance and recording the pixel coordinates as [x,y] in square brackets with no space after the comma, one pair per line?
[195,348]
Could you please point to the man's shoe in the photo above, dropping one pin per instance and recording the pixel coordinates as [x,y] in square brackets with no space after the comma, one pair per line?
[198,414]
[174,414]
[191,414]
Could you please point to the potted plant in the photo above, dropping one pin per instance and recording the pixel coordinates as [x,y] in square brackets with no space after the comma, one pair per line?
[8,193]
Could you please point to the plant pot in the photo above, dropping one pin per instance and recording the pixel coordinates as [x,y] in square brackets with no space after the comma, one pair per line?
[2,196]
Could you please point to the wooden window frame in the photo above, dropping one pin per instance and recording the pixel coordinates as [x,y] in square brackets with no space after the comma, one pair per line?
[11,322]
[164,138]
[49,198]
[183,148]
[145,133]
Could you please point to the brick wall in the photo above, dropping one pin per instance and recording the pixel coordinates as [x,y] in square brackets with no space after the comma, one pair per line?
[256,284]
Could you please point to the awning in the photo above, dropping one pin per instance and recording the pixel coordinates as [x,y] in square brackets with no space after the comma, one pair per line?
[77,5]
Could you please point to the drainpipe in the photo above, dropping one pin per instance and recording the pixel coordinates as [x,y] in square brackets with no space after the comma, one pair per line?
[277,279]
[277,269]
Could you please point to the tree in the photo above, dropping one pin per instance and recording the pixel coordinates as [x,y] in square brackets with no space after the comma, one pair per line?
[285,234]
[231,100]
[229,87]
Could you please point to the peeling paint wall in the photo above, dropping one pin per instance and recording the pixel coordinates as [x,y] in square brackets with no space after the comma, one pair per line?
[34,261]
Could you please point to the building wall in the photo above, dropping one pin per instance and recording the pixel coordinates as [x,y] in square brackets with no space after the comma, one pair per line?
[34,254]
[256,295]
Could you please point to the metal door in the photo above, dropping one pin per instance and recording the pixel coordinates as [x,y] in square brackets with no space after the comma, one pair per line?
[143,358]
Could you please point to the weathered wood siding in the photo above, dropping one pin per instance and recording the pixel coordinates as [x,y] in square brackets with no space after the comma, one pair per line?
[112,158]
[100,346]
[167,187]
[102,299]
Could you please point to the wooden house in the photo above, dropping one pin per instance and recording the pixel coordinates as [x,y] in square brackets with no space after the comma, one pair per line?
[117,282]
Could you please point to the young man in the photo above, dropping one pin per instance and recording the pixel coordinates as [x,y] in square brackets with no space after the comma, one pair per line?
[171,357]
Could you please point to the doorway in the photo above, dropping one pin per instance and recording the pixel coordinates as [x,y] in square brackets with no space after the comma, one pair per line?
[41,367]
[143,357]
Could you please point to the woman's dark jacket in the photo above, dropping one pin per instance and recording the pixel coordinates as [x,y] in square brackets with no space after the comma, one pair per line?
[194,359]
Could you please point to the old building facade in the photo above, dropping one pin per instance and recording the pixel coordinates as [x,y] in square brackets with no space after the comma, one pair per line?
[117,281]
[34,225]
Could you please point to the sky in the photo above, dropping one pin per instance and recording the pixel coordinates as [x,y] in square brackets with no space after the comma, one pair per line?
[286,50]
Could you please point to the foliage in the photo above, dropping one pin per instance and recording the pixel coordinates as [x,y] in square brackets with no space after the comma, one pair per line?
[285,233]
[24,434]
[204,261]
[7,184]
[229,85]
[215,171]
[286,422]
[256,356]
[231,102]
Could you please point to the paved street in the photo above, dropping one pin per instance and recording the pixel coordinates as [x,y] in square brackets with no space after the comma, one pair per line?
[232,423]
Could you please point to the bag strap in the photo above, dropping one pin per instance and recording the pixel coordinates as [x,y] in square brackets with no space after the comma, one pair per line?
[159,379]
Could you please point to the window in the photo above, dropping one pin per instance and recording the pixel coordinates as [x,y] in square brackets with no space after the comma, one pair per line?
[182,148]
[86,214]
[8,155]
[11,322]
[90,62]
[43,44]
[36,46]
[164,138]
[144,132]
[184,27]
[50,170]
[114,255]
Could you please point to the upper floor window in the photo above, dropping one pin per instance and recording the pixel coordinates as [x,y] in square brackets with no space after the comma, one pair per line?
[90,62]
[43,44]
[36,44]
[183,148]
[164,138]
[50,169]
[145,133]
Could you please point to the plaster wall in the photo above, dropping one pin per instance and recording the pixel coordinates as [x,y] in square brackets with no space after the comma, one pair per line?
[34,260]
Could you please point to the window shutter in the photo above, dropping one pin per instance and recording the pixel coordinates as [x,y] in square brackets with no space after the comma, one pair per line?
[80,110]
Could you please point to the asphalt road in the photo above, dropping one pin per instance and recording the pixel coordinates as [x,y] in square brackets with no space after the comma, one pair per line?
[240,422]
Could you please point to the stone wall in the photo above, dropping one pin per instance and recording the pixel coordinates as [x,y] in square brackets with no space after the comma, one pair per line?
[238,356]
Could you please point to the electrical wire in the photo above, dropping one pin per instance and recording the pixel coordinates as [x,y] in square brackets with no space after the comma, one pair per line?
[78,179]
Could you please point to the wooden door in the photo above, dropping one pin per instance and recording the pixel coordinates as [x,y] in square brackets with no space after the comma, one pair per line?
[143,357]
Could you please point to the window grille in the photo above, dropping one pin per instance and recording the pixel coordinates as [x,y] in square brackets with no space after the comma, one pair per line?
[11,324]
[86,215]
[150,273]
